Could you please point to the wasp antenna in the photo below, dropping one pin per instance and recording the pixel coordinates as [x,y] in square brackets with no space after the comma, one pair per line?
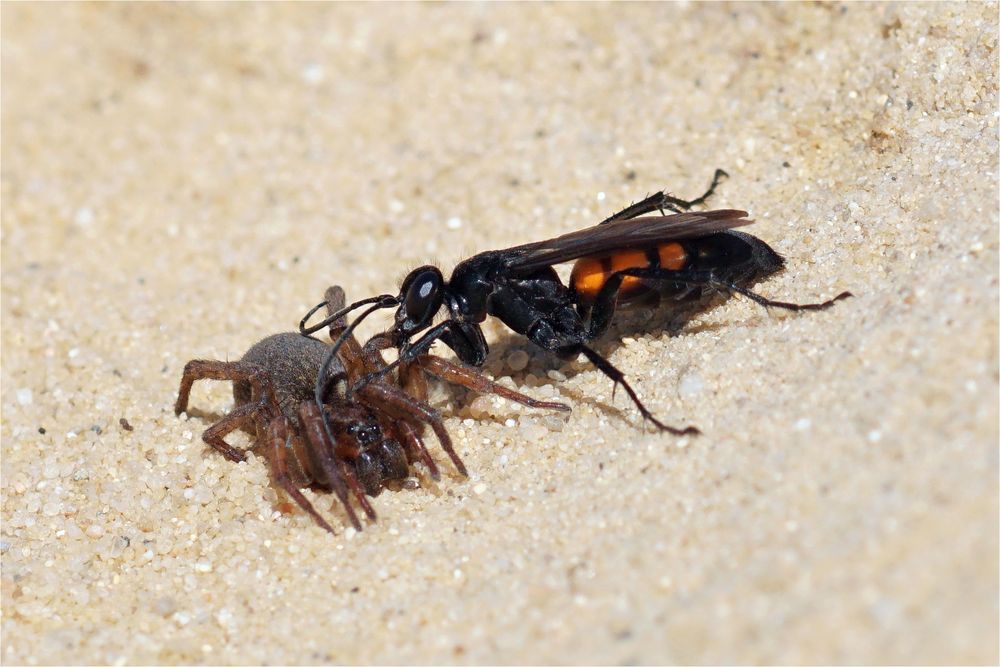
[312,311]
[382,301]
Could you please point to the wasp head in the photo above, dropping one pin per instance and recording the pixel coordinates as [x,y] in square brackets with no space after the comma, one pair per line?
[420,298]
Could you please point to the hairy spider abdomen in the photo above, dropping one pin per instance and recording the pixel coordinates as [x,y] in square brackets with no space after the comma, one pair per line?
[292,363]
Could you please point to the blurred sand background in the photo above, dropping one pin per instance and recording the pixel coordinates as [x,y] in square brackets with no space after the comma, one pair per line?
[181,180]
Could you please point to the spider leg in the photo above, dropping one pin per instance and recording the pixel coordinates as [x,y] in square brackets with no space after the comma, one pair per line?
[414,382]
[358,490]
[261,407]
[472,379]
[416,448]
[393,400]
[322,451]
[216,433]
[279,443]
[208,369]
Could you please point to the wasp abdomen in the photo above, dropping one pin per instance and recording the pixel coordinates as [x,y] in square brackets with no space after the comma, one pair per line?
[728,256]
[590,273]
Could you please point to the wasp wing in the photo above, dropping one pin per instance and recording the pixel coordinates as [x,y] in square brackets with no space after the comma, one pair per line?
[603,239]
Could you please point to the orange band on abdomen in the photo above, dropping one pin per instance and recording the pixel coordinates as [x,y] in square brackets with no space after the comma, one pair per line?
[672,256]
[588,277]
[629,259]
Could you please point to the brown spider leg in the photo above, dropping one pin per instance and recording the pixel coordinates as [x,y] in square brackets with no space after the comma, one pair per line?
[278,440]
[414,382]
[262,405]
[472,379]
[323,451]
[216,433]
[395,401]
[359,491]
[332,457]
[207,369]
[361,361]
[416,448]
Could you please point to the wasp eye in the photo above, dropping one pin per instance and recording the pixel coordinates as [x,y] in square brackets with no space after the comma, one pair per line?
[422,296]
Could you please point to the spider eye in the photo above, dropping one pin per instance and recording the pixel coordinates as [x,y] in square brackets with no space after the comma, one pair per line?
[422,295]
[365,432]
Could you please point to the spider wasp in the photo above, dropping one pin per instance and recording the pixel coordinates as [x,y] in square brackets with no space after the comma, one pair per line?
[683,256]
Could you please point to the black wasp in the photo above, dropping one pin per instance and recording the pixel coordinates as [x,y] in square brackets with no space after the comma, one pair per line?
[626,256]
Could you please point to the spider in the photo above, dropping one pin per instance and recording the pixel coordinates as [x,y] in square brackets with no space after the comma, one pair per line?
[405,399]
[359,447]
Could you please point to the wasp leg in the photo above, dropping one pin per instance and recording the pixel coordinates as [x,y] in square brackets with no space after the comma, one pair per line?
[618,378]
[661,201]
[688,204]
[563,332]
[604,309]
[279,442]
[476,381]
[604,304]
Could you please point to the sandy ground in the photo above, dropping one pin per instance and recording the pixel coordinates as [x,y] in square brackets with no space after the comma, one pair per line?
[179,181]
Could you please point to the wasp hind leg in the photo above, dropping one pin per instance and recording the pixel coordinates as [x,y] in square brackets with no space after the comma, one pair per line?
[602,310]
[618,378]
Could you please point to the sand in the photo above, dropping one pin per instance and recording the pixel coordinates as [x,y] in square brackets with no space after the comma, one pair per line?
[180,181]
